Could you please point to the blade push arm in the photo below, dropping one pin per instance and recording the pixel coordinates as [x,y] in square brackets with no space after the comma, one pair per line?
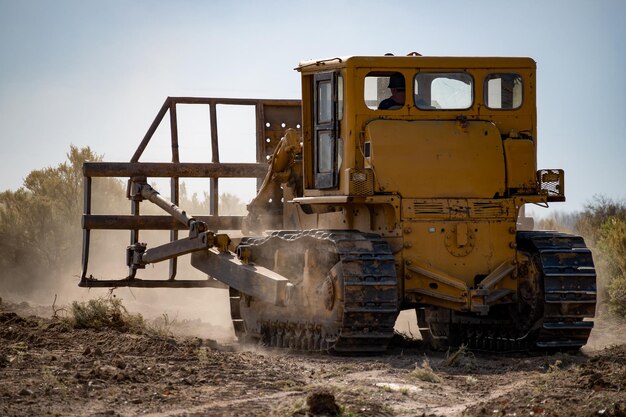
[138,256]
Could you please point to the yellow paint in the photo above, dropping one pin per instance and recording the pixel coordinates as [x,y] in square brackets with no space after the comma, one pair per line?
[435,159]
[447,184]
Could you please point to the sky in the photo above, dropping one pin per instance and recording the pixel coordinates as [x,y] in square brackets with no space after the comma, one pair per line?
[95,73]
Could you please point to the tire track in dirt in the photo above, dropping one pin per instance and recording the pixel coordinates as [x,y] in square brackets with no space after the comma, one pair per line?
[219,407]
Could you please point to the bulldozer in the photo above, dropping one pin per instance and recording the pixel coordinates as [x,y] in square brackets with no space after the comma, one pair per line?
[395,183]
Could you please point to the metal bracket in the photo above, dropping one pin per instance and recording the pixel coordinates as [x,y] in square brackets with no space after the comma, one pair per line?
[478,301]
[137,256]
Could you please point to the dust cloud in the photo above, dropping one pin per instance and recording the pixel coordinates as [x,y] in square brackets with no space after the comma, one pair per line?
[199,312]
[607,331]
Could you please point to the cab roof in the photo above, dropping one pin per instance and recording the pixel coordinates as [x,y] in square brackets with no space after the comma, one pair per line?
[415,61]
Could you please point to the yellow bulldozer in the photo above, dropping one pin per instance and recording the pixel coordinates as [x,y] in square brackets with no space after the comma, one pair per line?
[396,183]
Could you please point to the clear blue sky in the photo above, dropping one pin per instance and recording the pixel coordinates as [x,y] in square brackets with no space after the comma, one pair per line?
[95,73]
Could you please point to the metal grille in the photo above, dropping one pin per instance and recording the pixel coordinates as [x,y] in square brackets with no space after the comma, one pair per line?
[488,209]
[426,208]
[456,209]
[551,182]
[429,209]
[361,182]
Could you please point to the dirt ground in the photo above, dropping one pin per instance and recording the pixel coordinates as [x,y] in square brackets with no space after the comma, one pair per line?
[49,368]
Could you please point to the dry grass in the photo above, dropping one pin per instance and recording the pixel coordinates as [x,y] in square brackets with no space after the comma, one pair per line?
[162,326]
[454,358]
[105,312]
[461,358]
[425,373]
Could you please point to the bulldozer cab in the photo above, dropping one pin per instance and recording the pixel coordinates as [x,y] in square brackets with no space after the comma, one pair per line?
[351,131]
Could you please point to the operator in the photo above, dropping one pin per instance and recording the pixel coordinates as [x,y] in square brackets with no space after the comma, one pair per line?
[396,101]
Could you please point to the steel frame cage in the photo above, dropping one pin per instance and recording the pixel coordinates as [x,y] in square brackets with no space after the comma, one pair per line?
[272,118]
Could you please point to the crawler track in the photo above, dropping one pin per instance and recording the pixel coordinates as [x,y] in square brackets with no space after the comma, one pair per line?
[345,298]
[551,317]
[569,287]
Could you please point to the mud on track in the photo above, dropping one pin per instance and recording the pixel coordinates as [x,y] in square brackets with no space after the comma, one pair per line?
[49,368]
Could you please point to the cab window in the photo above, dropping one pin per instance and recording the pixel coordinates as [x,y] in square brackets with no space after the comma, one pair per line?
[443,91]
[384,90]
[324,100]
[503,91]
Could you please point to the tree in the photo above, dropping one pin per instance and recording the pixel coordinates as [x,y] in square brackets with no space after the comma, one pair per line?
[596,214]
[40,232]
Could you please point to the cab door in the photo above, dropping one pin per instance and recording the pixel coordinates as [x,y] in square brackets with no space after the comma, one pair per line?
[325,126]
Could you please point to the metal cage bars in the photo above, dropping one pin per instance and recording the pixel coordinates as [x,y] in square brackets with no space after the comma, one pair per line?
[266,112]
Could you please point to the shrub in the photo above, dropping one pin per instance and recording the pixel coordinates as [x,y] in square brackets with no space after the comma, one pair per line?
[107,312]
[612,245]
[425,373]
